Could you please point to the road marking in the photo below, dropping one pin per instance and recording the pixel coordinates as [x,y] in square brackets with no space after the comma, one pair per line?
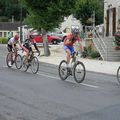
[48,76]
[88,85]
[93,86]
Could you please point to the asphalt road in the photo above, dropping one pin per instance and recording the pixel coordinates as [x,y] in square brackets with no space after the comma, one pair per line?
[25,96]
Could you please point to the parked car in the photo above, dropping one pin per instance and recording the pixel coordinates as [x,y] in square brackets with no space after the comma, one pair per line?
[62,35]
[51,39]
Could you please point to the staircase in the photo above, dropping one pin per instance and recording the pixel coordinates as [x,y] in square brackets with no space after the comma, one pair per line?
[106,48]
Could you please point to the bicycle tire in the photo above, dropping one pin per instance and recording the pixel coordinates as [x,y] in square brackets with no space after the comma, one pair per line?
[7,60]
[34,63]
[25,65]
[63,70]
[18,61]
[77,71]
[118,74]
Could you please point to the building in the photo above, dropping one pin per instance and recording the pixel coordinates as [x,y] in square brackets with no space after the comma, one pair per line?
[6,27]
[111,16]
[69,23]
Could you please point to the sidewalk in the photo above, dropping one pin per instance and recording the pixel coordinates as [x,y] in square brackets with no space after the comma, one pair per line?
[58,54]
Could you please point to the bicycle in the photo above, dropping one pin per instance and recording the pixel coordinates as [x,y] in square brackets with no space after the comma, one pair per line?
[14,57]
[31,61]
[77,69]
[118,74]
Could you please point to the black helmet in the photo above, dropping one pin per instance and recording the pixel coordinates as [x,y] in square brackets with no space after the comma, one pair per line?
[31,36]
[75,31]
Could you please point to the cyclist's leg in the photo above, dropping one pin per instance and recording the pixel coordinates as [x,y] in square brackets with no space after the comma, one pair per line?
[9,47]
[67,50]
[73,53]
[26,49]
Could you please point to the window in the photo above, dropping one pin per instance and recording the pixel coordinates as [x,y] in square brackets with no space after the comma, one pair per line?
[5,34]
[0,34]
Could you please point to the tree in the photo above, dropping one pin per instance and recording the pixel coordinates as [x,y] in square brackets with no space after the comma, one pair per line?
[48,14]
[86,9]
[9,8]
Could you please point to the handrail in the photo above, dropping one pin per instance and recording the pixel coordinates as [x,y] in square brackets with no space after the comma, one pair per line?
[101,42]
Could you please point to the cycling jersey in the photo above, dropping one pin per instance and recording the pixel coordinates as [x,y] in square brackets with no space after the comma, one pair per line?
[28,44]
[12,40]
[71,39]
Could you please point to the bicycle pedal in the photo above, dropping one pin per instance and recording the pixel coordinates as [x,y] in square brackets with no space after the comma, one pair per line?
[12,62]
[69,71]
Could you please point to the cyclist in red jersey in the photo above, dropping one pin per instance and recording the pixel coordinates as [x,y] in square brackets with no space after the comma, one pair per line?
[69,42]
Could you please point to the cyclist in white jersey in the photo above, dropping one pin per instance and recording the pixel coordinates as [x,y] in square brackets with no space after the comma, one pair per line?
[11,46]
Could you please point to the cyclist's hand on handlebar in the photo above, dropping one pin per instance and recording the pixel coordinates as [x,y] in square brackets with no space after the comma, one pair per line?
[14,50]
[38,53]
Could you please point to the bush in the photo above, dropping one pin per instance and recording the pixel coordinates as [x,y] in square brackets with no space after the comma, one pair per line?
[94,54]
[3,40]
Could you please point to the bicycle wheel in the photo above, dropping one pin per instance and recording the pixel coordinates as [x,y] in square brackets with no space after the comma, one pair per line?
[18,61]
[62,70]
[9,60]
[34,65]
[118,74]
[79,72]
[25,64]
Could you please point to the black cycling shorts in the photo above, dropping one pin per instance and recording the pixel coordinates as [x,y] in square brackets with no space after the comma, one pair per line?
[27,47]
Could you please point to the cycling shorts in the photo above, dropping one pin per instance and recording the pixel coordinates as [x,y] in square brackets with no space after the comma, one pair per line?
[71,48]
[27,47]
[9,47]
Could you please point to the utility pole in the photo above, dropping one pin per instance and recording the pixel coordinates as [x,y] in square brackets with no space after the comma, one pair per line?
[93,19]
[21,21]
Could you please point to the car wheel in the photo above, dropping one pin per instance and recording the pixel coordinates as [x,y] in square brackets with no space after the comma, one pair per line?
[54,42]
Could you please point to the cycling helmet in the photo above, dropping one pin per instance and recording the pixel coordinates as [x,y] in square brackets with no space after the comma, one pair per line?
[31,36]
[16,37]
[75,31]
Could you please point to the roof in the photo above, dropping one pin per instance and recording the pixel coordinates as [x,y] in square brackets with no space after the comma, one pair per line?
[9,25]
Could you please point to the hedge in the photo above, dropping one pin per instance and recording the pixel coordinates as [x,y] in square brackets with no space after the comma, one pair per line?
[3,40]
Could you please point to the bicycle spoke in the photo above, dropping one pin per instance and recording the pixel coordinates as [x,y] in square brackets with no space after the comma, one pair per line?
[79,72]
[18,61]
[63,72]
[24,64]
[34,65]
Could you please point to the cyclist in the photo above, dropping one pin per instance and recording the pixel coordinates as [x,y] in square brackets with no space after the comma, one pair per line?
[69,42]
[11,46]
[27,45]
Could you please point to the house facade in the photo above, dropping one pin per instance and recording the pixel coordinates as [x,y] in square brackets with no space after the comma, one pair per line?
[111,16]
[69,23]
[6,27]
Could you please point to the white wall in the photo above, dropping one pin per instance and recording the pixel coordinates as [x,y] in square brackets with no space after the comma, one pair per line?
[69,22]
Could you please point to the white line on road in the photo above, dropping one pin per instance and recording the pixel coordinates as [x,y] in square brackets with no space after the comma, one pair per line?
[88,85]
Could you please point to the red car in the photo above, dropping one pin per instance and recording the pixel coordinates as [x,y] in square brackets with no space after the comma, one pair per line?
[51,39]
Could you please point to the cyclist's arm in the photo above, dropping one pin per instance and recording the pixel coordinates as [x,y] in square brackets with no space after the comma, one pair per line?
[79,43]
[68,41]
[34,43]
[13,45]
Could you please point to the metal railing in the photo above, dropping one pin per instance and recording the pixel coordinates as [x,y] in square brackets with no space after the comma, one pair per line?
[101,43]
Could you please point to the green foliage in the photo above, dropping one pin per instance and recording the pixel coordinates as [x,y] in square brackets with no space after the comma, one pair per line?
[91,52]
[3,19]
[85,11]
[89,49]
[48,14]
[3,40]
[94,54]
[9,8]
